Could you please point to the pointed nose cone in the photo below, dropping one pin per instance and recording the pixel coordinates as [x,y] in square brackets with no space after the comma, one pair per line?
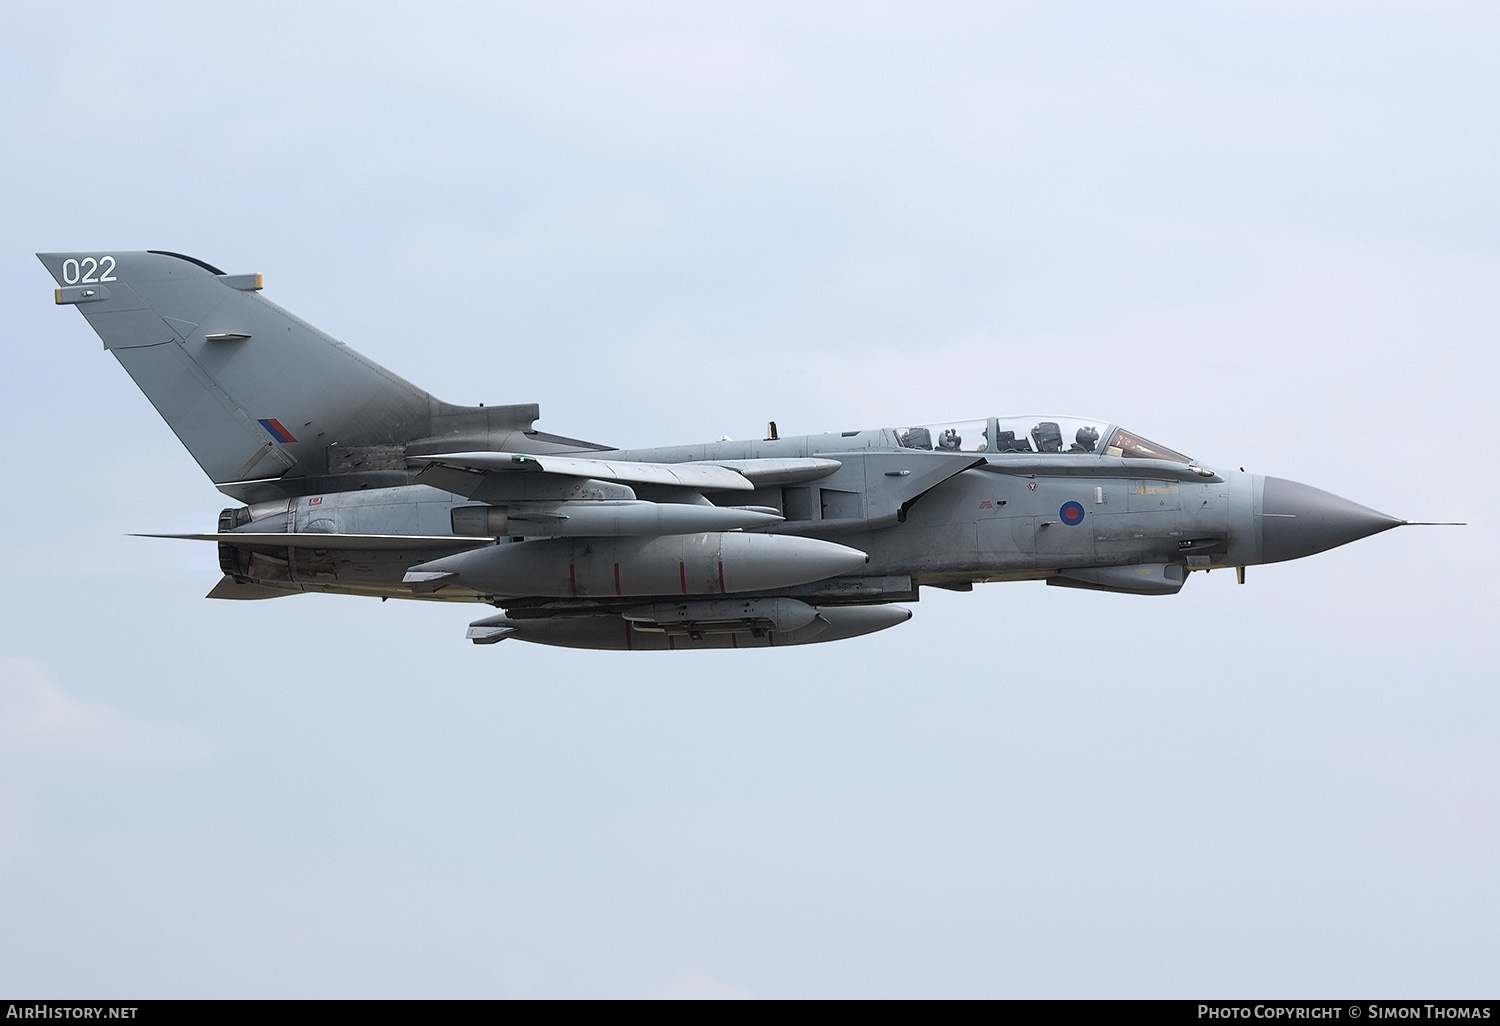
[1297,520]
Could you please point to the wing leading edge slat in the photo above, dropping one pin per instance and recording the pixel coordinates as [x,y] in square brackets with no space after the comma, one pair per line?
[697,476]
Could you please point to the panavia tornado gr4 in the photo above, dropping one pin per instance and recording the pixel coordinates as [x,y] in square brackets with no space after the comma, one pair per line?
[357,482]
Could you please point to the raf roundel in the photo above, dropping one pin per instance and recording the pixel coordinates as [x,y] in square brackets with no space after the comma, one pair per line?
[1071,513]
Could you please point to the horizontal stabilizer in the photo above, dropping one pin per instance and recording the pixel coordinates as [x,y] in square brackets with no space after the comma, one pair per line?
[313,540]
[229,588]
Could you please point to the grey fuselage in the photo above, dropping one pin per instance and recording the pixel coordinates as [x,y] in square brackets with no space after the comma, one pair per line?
[359,482]
[988,517]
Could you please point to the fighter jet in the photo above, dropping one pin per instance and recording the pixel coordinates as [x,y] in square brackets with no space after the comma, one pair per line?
[353,481]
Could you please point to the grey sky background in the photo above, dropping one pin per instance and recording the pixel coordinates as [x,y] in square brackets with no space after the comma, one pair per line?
[1263,234]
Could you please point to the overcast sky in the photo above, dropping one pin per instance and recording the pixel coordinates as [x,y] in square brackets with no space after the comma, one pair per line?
[1264,234]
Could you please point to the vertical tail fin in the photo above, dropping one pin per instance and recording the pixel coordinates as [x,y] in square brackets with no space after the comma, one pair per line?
[252,391]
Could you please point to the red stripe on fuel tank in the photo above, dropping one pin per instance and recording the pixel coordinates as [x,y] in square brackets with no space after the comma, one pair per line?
[682,575]
[629,642]
[770,639]
[734,641]
[671,643]
[617,578]
[572,581]
[721,577]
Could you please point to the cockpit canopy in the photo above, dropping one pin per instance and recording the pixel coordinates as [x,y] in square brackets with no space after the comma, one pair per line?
[1047,434]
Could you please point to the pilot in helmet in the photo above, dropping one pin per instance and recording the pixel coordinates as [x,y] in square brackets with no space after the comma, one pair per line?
[1087,439]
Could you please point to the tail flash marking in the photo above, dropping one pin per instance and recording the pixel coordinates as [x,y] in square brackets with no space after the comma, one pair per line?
[278,432]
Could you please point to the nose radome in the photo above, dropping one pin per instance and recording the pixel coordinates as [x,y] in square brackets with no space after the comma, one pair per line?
[1297,520]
